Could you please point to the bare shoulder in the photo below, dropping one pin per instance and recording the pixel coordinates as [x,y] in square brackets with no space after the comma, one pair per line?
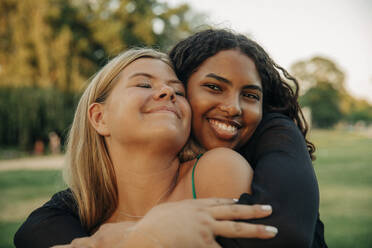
[222,172]
[221,155]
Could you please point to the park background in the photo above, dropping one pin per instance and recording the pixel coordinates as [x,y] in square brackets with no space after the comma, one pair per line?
[50,48]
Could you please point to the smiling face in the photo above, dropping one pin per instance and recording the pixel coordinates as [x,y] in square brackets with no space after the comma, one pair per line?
[225,94]
[147,103]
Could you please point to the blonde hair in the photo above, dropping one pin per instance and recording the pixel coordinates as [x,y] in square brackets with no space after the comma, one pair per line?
[89,171]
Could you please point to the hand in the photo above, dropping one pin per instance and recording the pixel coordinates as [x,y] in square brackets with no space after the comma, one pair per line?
[195,223]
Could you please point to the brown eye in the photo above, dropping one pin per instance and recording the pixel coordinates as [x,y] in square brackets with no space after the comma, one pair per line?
[251,96]
[213,87]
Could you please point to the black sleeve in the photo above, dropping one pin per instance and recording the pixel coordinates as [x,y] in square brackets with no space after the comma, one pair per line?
[55,223]
[284,178]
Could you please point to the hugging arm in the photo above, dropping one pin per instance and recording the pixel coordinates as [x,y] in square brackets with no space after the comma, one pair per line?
[183,224]
[284,178]
[54,223]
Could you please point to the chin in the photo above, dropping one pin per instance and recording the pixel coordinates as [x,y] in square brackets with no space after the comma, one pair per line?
[167,133]
[218,143]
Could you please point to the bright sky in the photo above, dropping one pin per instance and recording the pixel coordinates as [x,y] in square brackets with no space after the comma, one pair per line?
[292,30]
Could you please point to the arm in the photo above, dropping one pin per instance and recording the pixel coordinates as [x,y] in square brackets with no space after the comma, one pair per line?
[182,224]
[54,223]
[211,171]
[284,178]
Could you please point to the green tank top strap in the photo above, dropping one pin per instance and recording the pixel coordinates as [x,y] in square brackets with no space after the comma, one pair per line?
[193,176]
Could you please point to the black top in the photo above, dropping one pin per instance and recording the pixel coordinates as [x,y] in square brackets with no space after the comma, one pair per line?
[283,177]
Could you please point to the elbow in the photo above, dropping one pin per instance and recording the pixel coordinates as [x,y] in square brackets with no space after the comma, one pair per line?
[295,236]
[302,239]
[20,238]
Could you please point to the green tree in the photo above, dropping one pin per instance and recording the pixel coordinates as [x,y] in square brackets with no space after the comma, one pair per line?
[359,110]
[323,100]
[61,43]
[50,48]
[322,89]
[318,70]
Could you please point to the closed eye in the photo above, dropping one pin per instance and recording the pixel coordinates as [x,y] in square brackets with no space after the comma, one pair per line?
[180,93]
[144,85]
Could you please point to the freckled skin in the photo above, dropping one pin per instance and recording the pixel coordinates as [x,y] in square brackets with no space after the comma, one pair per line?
[225,88]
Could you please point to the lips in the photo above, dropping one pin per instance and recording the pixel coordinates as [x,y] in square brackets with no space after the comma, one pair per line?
[224,129]
[164,109]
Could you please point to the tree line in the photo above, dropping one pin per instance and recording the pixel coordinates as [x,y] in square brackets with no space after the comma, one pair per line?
[50,48]
[323,91]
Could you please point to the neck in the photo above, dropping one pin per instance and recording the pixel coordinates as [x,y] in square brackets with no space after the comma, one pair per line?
[145,177]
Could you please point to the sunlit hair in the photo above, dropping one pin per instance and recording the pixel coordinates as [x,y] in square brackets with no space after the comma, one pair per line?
[188,54]
[89,171]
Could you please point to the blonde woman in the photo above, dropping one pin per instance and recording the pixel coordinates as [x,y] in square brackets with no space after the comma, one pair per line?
[123,159]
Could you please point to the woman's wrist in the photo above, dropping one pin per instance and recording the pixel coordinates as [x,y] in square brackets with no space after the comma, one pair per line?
[138,237]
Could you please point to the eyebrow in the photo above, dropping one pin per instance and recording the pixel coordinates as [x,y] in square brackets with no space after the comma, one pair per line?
[173,81]
[225,80]
[219,78]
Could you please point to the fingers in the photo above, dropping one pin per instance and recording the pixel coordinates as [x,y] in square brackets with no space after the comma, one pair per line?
[236,211]
[233,229]
[210,202]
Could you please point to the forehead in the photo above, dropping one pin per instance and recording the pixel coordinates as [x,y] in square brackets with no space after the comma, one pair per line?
[231,64]
[154,67]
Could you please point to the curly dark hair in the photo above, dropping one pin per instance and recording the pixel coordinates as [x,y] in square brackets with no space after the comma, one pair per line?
[188,54]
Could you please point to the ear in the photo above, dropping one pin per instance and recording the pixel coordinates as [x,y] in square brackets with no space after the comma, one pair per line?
[97,120]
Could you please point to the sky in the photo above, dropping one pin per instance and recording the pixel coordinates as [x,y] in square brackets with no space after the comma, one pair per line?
[293,30]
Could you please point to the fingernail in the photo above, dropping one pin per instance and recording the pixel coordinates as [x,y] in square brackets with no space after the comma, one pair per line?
[266,207]
[235,199]
[271,229]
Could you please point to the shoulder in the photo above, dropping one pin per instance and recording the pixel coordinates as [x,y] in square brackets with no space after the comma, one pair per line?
[63,201]
[272,126]
[222,172]
[276,120]
[279,131]
[276,133]
[56,222]
[218,157]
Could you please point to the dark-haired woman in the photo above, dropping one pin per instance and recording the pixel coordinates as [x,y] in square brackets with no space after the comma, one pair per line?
[239,100]
[278,149]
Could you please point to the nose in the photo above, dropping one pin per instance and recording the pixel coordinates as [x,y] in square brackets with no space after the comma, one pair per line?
[165,93]
[231,106]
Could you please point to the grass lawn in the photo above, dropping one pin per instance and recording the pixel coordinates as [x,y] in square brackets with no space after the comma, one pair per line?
[343,168]
[21,192]
[344,172]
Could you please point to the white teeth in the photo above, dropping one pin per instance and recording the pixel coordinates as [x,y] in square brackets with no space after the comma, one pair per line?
[223,126]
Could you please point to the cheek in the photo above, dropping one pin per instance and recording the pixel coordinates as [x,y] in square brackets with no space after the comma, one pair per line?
[198,110]
[253,115]
[186,109]
[201,103]
[195,98]
[194,103]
